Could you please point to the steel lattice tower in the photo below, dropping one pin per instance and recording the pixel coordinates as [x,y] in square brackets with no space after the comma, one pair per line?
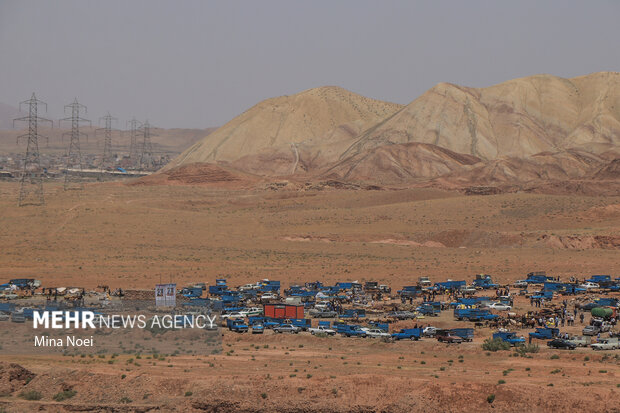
[74,154]
[106,159]
[134,127]
[146,156]
[31,182]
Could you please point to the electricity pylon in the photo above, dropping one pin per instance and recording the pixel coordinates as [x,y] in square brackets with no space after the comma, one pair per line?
[74,154]
[146,155]
[31,182]
[134,128]
[106,159]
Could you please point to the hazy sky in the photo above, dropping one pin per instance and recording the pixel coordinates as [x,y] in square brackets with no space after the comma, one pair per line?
[200,63]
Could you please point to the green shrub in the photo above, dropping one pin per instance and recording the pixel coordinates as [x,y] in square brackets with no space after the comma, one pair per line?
[188,393]
[527,348]
[64,395]
[31,395]
[495,344]
[490,398]
[554,357]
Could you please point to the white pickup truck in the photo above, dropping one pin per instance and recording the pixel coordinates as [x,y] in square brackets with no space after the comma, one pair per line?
[581,341]
[606,344]
[323,330]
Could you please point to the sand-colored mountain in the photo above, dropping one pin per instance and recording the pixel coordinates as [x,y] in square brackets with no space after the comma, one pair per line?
[331,113]
[517,118]
[399,163]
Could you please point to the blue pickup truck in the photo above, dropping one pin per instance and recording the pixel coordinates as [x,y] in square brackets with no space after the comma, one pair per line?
[510,337]
[474,314]
[430,309]
[467,334]
[350,330]
[408,334]
[238,326]
[544,333]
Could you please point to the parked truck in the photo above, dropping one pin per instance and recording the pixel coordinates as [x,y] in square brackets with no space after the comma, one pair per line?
[447,336]
[238,325]
[467,334]
[509,337]
[322,330]
[606,344]
[350,330]
[581,341]
[545,333]
[408,334]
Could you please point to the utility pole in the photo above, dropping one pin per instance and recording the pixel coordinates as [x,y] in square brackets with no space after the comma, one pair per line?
[74,154]
[106,159]
[146,156]
[134,127]
[31,182]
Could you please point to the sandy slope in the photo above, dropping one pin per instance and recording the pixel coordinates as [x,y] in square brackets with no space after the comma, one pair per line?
[288,119]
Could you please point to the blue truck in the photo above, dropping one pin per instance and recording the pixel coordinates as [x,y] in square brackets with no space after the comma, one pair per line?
[303,323]
[381,326]
[267,286]
[545,333]
[484,281]
[237,325]
[191,292]
[410,291]
[474,314]
[429,308]
[449,285]
[353,313]
[408,334]
[265,321]
[471,301]
[538,277]
[467,334]
[348,330]
[509,337]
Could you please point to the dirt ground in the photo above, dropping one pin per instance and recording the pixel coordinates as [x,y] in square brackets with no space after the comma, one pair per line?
[135,236]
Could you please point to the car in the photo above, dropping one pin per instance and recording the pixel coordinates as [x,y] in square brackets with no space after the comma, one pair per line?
[520,284]
[236,314]
[590,330]
[468,289]
[589,285]
[18,318]
[606,344]
[582,341]
[202,286]
[247,287]
[4,317]
[429,331]
[269,296]
[323,313]
[499,307]
[253,311]
[287,328]
[258,329]
[561,343]
[322,305]
[376,333]
[447,337]
[322,330]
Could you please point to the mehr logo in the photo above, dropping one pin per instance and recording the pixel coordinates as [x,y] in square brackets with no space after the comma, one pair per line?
[88,319]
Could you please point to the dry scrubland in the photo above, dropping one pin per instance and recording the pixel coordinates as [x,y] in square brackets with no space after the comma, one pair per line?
[131,236]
